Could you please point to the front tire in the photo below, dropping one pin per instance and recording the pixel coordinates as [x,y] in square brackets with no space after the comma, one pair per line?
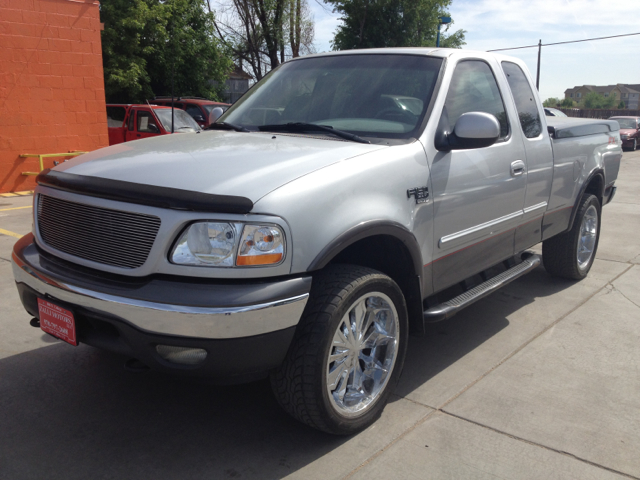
[348,351]
[571,254]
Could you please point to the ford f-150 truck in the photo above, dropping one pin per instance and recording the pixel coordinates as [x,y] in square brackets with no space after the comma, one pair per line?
[344,202]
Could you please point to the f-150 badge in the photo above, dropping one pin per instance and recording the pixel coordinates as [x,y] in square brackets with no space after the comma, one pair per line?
[421,194]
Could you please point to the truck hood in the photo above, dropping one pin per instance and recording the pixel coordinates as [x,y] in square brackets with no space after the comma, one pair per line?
[216,162]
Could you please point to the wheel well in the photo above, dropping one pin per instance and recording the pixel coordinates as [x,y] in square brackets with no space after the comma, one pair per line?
[390,256]
[596,187]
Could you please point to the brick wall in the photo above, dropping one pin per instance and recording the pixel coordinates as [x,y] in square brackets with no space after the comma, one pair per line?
[51,84]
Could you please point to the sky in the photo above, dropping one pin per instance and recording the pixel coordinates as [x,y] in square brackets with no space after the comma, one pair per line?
[492,24]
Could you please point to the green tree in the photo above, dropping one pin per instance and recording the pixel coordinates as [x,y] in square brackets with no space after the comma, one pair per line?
[392,23]
[551,102]
[567,103]
[597,100]
[144,41]
[621,105]
[593,100]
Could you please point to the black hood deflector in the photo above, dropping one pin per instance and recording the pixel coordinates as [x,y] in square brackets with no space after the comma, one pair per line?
[141,194]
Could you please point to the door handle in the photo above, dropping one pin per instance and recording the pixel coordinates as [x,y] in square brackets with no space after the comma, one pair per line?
[517,168]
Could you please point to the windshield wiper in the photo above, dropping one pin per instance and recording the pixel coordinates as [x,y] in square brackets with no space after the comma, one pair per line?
[311,127]
[231,126]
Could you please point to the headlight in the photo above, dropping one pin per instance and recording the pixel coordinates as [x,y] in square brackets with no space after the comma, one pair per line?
[261,245]
[216,244]
[206,243]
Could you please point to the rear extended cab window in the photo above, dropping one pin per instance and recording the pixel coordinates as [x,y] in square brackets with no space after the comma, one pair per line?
[115,116]
[523,97]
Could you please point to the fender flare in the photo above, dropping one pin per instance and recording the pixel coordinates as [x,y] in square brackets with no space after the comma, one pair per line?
[598,172]
[370,229]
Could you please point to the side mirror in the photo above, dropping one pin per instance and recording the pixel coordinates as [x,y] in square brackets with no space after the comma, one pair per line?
[153,128]
[198,118]
[472,130]
[215,114]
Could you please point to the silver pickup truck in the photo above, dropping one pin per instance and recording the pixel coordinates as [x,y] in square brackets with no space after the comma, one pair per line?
[345,201]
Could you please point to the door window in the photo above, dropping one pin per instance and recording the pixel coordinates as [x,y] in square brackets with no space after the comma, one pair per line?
[525,103]
[474,89]
[145,122]
[193,110]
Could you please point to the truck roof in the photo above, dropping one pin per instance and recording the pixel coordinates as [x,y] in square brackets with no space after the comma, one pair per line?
[136,105]
[196,100]
[429,51]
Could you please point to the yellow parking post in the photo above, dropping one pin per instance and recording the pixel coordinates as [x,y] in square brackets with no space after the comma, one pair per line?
[41,157]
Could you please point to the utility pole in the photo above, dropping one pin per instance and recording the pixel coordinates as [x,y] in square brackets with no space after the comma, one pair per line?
[173,69]
[538,74]
[173,74]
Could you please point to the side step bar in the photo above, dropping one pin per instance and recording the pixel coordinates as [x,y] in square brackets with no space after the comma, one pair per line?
[449,308]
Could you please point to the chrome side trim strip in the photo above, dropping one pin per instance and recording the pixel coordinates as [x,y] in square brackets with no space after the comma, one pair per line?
[168,319]
[535,207]
[477,228]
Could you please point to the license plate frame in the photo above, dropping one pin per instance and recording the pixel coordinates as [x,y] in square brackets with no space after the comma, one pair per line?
[57,321]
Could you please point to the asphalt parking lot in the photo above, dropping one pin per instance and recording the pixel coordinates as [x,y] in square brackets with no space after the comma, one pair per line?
[539,380]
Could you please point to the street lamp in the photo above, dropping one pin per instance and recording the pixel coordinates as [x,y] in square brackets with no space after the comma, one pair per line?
[441,21]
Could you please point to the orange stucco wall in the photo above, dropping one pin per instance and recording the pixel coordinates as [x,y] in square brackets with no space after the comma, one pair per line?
[51,84]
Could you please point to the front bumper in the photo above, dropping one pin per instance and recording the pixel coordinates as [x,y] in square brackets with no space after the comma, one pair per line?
[245,327]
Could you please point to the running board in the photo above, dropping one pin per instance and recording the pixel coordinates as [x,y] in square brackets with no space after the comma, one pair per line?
[449,308]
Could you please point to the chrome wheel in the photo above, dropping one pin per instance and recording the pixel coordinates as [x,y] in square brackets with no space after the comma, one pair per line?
[588,237]
[362,354]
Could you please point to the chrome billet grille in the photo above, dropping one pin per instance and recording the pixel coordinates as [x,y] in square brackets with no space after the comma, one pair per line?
[102,235]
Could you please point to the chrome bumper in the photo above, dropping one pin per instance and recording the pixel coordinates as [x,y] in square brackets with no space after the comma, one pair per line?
[161,318]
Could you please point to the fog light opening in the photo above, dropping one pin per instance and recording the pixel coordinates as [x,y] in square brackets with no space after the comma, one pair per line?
[181,355]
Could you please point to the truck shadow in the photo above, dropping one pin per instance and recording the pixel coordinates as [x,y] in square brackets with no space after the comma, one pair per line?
[77,413]
[471,334]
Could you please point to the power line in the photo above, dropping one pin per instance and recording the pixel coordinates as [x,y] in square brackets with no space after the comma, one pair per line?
[561,43]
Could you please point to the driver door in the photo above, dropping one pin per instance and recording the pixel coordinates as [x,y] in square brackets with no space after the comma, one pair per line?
[478,193]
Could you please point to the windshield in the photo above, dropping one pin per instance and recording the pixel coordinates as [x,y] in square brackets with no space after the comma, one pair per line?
[626,122]
[368,95]
[182,121]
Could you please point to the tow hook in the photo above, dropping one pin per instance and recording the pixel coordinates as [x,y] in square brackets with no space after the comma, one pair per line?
[34,322]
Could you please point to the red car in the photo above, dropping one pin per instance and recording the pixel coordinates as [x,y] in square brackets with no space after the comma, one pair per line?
[629,131]
[132,122]
[198,108]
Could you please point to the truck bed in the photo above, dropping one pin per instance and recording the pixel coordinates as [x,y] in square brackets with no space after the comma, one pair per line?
[568,127]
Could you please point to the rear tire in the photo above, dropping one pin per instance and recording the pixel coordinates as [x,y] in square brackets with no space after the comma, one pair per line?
[348,351]
[571,254]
